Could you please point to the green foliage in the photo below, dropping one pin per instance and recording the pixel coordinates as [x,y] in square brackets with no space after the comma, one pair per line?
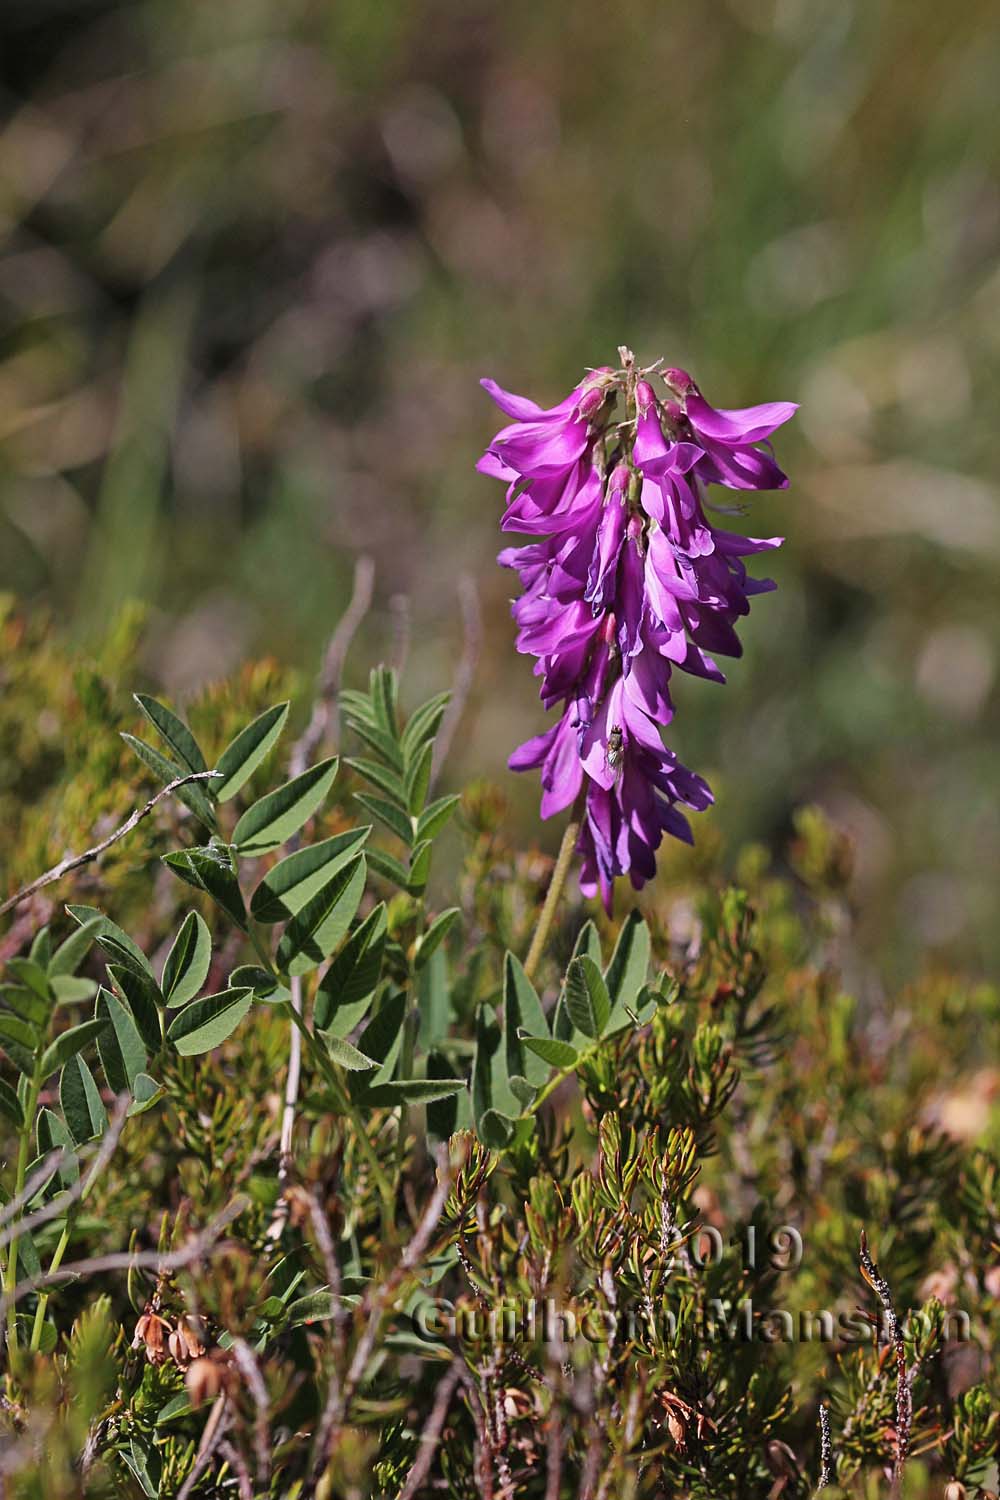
[666,1143]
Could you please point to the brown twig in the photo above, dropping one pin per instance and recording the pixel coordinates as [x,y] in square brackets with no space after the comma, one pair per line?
[374,1306]
[234,1458]
[74,861]
[399,608]
[554,1455]
[465,672]
[331,1265]
[248,1367]
[49,1164]
[123,1260]
[431,1434]
[322,724]
[904,1396]
[483,1447]
[57,1206]
[825,1448]
[212,1439]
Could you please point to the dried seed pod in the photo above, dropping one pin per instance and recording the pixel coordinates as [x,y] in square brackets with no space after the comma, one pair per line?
[184,1343]
[208,1375]
[151,1332]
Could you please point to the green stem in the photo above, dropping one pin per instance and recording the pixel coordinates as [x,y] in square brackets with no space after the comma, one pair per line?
[43,1299]
[58,1253]
[563,861]
[556,1080]
[410,1026]
[368,1151]
[345,1103]
[10,1279]
[260,947]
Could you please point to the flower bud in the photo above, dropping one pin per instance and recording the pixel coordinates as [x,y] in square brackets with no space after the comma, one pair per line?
[645,397]
[680,380]
[584,711]
[591,401]
[954,1491]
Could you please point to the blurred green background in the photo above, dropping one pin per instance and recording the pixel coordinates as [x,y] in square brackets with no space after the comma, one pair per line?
[255,256]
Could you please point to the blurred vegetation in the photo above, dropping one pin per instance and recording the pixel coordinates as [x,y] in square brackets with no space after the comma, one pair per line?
[255,257]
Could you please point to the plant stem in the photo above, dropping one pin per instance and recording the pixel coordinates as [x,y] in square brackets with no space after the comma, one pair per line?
[61,1248]
[43,1297]
[563,861]
[10,1280]
[557,1079]
[260,947]
[345,1103]
[291,1084]
[410,1025]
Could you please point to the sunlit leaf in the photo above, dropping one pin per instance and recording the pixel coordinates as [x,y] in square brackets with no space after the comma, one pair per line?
[319,928]
[279,814]
[119,1044]
[348,987]
[206,1023]
[186,967]
[292,882]
[80,1101]
[245,753]
[67,1044]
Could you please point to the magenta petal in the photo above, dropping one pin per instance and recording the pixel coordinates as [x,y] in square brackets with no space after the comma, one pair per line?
[541,448]
[523,410]
[650,446]
[748,424]
[533,751]
[563,773]
[491,465]
[594,746]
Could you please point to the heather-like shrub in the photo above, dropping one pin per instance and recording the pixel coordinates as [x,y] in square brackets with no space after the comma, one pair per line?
[311,1189]
[314,1187]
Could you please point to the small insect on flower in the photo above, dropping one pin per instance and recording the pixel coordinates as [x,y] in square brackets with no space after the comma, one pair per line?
[615,755]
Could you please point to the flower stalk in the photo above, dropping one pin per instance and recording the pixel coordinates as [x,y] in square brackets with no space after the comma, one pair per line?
[553,895]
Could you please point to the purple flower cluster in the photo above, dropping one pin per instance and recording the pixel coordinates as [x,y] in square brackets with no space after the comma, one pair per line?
[627,579]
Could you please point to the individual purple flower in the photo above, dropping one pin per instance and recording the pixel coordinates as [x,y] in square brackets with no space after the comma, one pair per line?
[627,578]
[730,440]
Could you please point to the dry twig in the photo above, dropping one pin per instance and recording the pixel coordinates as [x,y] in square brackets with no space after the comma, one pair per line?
[432,1431]
[376,1302]
[322,724]
[825,1447]
[465,672]
[58,1205]
[904,1396]
[74,861]
[123,1260]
